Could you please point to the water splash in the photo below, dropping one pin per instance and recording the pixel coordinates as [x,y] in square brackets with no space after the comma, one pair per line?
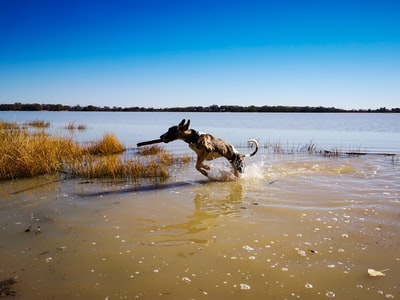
[221,174]
[280,169]
[224,173]
[254,171]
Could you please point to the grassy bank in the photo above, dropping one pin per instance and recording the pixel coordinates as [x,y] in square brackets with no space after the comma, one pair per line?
[27,153]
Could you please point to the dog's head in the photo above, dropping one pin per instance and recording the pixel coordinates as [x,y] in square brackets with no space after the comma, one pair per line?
[238,163]
[175,132]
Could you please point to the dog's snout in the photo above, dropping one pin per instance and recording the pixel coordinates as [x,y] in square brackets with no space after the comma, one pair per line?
[162,137]
[238,164]
[166,138]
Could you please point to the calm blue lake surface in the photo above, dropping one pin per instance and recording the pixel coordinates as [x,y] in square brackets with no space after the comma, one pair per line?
[346,131]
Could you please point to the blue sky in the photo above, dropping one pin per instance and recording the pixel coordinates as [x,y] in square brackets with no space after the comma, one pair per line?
[150,53]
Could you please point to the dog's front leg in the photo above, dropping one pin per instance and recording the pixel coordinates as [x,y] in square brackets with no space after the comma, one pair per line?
[200,166]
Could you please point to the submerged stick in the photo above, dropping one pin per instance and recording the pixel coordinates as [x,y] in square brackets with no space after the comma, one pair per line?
[149,142]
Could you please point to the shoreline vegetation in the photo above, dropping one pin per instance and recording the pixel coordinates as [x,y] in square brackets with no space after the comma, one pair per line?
[27,151]
[212,108]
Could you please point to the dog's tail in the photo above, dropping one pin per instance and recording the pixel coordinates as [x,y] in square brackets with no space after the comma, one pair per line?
[255,143]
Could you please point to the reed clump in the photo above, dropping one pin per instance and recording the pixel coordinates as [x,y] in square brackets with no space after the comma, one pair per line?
[108,145]
[81,127]
[71,126]
[40,124]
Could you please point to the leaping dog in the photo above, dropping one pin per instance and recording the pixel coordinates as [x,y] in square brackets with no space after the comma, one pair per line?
[207,147]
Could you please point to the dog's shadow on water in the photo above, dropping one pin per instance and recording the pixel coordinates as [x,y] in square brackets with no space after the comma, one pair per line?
[142,188]
[218,176]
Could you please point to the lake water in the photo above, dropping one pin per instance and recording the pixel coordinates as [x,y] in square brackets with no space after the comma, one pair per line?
[372,132]
[295,226]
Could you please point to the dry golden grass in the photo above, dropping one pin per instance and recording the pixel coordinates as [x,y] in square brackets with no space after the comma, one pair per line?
[114,167]
[150,150]
[154,163]
[184,159]
[8,125]
[108,145]
[164,157]
[28,154]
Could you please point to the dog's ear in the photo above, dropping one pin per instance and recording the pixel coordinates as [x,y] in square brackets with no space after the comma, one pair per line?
[187,125]
[182,126]
[182,123]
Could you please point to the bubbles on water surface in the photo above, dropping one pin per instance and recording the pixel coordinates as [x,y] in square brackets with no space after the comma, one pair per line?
[330,294]
[248,248]
[186,279]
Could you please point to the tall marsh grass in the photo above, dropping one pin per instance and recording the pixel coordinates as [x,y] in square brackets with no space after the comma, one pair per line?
[24,153]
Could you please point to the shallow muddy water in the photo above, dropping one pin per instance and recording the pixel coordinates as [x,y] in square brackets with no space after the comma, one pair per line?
[294,227]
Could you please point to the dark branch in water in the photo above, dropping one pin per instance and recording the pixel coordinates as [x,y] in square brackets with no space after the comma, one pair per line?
[370,153]
[356,153]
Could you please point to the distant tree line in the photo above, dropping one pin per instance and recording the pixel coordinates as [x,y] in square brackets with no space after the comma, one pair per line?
[212,108]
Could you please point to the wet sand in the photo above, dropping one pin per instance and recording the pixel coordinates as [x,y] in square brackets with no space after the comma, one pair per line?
[295,226]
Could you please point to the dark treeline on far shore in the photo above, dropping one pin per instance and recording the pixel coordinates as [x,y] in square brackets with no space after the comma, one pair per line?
[213,108]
